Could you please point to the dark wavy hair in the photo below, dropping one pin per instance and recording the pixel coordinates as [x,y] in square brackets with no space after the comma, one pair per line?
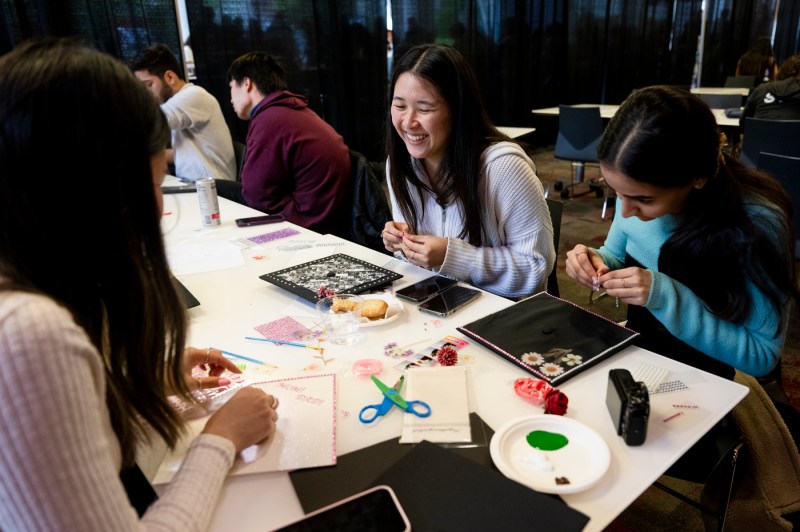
[668,137]
[157,60]
[445,69]
[75,123]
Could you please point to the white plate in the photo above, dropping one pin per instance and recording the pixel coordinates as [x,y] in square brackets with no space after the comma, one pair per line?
[392,313]
[583,461]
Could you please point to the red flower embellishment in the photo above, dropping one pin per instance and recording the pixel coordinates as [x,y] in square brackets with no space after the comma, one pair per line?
[447,356]
[555,402]
[325,292]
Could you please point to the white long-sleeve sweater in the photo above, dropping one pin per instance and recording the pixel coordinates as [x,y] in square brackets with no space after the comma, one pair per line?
[517,254]
[59,456]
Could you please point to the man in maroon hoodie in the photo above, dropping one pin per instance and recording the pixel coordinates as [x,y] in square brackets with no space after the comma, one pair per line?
[295,163]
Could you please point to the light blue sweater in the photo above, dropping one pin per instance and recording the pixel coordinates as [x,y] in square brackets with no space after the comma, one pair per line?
[751,347]
[517,254]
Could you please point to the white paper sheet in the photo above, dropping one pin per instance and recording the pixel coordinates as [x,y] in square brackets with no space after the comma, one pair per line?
[445,391]
[305,434]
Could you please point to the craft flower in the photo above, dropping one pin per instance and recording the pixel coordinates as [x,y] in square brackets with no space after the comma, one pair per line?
[325,292]
[555,402]
[391,350]
[551,369]
[532,359]
[572,359]
[447,356]
[531,389]
[539,392]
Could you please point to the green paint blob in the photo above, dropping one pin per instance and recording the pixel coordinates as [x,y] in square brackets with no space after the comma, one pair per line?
[546,441]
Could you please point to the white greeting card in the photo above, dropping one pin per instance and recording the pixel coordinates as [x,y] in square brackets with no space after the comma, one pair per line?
[305,435]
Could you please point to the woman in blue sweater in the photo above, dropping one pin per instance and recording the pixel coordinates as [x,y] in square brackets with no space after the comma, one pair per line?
[701,248]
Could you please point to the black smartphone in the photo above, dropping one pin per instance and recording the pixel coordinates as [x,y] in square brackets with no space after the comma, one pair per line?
[425,289]
[373,509]
[448,301]
[259,220]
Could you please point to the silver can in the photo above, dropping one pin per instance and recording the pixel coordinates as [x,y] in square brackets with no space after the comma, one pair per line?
[209,204]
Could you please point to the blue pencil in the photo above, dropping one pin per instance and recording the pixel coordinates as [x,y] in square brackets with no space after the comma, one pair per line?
[280,342]
[253,360]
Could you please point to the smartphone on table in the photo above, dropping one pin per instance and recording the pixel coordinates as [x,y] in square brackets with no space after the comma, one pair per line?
[425,289]
[373,509]
[449,300]
[259,220]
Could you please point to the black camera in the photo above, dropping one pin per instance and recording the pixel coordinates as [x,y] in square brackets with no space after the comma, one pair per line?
[629,405]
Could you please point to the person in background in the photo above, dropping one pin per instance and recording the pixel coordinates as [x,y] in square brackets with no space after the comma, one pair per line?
[701,247]
[201,141]
[779,99]
[295,163]
[759,61]
[466,201]
[92,331]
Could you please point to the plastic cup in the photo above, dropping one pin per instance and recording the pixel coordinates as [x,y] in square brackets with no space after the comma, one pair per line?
[341,316]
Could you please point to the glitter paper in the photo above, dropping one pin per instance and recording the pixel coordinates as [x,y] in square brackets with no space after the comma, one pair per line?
[273,235]
[286,329]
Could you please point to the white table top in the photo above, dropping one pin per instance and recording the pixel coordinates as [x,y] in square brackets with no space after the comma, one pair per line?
[608,110]
[515,132]
[234,300]
[743,91]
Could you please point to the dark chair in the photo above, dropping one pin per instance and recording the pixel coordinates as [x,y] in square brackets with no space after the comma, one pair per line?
[239,150]
[370,204]
[747,82]
[786,170]
[718,485]
[579,132]
[722,101]
[781,137]
[556,210]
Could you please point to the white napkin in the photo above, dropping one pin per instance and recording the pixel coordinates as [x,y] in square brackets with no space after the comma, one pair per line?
[445,391]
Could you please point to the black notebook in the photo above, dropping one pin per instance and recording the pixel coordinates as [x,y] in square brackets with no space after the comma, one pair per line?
[340,273]
[550,338]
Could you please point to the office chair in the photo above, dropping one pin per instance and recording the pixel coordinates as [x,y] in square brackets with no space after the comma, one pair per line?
[579,132]
[239,150]
[780,137]
[740,81]
[786,170]
[556,209]
[729,446]
[721,101]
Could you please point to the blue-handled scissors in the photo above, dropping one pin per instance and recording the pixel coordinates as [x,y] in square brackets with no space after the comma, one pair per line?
[391,397]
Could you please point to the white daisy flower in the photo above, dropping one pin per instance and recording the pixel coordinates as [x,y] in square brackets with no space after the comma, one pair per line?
[532,359]
[551,369]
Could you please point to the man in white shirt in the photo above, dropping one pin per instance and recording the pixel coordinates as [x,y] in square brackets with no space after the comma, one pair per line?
[201,141]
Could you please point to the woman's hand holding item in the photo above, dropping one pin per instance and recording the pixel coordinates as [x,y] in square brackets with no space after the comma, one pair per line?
[586,266]
[630,285]
[249,417]
[211,360]
[392,235]
[425,251]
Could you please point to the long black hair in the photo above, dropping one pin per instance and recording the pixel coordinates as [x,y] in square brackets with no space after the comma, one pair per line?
[668,138]
[75,123]
[445,69]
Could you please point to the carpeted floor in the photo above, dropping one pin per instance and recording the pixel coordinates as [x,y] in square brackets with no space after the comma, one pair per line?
[581,223]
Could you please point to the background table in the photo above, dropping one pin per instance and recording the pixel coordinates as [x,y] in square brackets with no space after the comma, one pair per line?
[234,300]
[607,111]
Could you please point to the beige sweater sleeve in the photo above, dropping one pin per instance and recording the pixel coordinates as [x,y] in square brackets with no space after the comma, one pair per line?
[59,457]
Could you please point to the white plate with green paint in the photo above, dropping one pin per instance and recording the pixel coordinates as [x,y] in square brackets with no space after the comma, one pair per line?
[550,454]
